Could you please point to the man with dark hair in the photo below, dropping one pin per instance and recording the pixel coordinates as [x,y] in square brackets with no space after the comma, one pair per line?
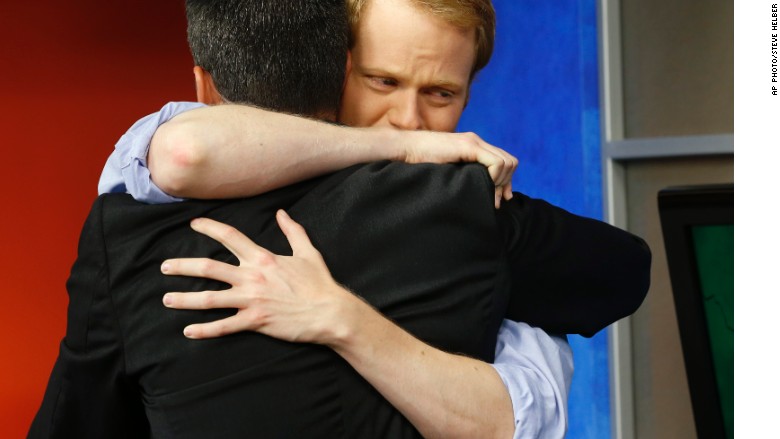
[125,371]
[240,49]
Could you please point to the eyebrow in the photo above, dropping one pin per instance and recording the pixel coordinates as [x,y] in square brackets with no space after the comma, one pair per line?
[449,85]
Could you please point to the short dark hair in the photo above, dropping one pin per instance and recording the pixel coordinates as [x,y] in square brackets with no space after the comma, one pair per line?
[283,55]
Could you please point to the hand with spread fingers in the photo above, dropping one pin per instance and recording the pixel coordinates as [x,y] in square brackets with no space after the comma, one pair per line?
[295,298]
[292,298]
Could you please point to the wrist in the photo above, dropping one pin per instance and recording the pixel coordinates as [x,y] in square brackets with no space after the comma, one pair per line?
[389,144]
[341,326]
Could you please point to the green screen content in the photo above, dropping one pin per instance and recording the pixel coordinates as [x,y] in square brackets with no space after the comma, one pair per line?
[714,249]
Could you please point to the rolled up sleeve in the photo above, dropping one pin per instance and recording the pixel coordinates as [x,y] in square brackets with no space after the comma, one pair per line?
[126,170]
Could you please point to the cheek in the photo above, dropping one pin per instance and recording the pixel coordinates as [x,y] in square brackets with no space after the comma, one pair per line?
[443,119]
[360,107]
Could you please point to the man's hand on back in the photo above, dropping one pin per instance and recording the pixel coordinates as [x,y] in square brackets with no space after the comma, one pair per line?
[292,298]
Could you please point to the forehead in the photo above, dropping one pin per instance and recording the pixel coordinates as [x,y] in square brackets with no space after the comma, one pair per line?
[398,35]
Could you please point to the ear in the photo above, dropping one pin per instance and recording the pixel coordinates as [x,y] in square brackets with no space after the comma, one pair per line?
[204,87]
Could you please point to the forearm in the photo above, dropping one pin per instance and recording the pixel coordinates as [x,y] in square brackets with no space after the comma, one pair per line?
[232,151]
[442,395]
[295,298]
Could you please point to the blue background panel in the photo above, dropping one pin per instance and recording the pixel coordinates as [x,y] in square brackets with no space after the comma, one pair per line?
[539,99]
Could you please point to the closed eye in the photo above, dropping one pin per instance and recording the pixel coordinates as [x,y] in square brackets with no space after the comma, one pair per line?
[381,83]
[440,96]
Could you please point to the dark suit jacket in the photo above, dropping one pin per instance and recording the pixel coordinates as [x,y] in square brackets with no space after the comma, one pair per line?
[422,243]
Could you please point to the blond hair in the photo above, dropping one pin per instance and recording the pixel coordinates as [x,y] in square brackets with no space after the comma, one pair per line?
[464,14]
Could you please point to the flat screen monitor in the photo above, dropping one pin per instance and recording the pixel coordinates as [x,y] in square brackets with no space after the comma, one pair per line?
[698,230]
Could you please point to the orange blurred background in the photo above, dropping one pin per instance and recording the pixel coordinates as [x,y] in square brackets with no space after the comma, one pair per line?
[73,77]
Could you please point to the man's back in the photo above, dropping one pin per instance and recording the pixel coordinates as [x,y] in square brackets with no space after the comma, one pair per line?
[374,225]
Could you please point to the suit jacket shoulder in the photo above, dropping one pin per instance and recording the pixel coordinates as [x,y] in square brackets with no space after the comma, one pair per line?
[89,393]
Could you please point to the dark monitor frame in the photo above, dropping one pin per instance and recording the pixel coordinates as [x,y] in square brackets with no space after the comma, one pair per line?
[680,209]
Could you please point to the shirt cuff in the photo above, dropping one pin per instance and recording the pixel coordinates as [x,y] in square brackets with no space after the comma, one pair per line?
[126,169]
[536,370]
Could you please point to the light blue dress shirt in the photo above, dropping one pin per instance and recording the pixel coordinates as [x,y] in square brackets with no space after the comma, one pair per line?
[536,368]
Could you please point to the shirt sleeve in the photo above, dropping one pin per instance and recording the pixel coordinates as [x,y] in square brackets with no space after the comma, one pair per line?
[126,170]
[571,274]
[536,369]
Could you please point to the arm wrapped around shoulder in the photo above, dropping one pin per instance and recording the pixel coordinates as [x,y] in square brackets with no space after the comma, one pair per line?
[570,274]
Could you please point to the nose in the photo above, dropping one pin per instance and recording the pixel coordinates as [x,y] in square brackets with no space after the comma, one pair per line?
[405,113]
